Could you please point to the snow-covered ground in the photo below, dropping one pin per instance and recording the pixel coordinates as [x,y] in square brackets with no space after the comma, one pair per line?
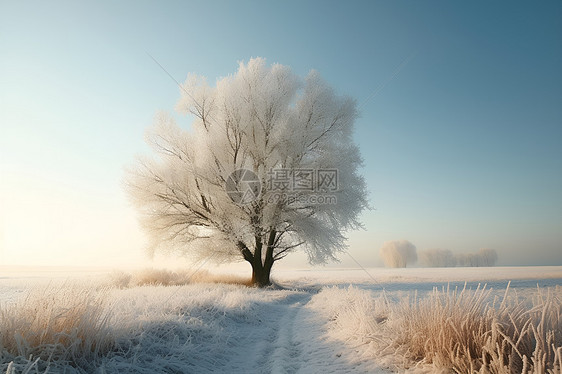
[415,276]
[406,280]
[302,326]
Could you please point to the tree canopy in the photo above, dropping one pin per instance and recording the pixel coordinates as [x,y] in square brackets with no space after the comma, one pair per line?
[268,166]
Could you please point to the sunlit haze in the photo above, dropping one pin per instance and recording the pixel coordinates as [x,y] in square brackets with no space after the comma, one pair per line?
[460,125]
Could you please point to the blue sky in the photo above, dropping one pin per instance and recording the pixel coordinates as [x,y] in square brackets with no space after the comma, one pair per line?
[461,147]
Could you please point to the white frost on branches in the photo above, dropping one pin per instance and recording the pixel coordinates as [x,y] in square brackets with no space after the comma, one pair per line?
[261,118]
[484,257]
[398,253]
[438,258]
[446,258]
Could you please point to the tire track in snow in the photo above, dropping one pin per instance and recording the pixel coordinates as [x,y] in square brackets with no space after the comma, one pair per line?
[280,353]
[283,335]
[298,344]
[284,358]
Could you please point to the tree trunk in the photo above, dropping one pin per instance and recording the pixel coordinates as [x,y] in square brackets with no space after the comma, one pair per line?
[260,275]
[260,268]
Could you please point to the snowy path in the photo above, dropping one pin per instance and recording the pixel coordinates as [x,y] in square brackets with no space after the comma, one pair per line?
[220,328]
[290,338]
[208,328]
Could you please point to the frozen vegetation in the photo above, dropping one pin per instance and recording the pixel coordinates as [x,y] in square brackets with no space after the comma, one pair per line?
[393,320]
[446,258]
[247,180]
[398,253]
[402,253]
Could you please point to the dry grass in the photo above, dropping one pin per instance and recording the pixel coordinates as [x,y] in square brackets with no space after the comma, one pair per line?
[469,333]
[56,325]
[163,277]
[461,331]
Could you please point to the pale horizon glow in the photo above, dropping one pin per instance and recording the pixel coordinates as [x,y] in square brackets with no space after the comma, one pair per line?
[461,146]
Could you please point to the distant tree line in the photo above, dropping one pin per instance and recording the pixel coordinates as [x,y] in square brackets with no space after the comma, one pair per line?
[401,253]
[484,257]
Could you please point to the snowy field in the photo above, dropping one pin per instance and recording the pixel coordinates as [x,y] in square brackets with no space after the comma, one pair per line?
[313,321]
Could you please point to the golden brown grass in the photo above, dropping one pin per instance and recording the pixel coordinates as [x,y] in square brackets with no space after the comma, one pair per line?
[463,331]
[67,324]
[469,333]
[164,277]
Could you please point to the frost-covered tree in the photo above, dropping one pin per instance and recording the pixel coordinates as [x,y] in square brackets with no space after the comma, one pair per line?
[438,258]
[488,257]
[484,257]
[398,253]
[260,123]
